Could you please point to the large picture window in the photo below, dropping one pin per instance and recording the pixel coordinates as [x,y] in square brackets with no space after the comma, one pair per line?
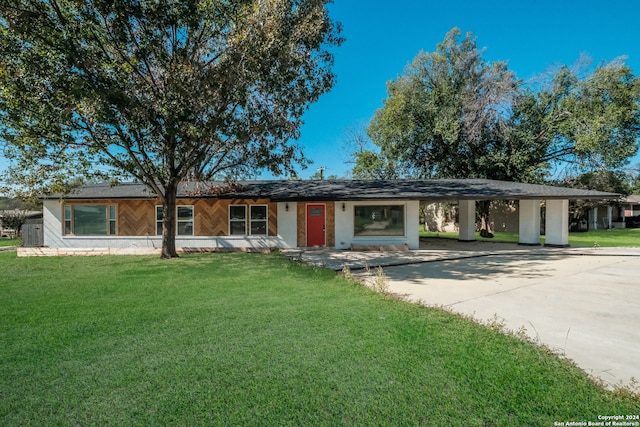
[378,220]
[90,220]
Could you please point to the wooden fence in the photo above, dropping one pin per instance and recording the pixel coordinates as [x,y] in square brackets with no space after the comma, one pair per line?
[32,234]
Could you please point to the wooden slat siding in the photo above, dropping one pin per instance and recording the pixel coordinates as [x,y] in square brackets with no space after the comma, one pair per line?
[273,218]
[136,217]
[330,223]
[204,216]
[211,216]
[302,225]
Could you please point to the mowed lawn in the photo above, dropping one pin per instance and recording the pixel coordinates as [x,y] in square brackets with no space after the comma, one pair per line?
[615,237]
[10,242]
[252,339]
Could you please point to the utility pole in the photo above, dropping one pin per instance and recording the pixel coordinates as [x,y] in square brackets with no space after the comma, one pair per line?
[321,169]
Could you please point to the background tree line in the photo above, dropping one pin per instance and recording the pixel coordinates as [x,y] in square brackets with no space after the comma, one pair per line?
[452,114]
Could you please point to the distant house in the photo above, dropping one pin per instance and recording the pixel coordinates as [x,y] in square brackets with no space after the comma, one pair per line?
[623,214]
[631,207]
[339,214]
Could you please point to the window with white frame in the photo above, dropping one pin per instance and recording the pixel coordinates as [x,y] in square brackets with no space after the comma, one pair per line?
[184,220]
[256,224]
[237,220]
[90,220]
[159,217]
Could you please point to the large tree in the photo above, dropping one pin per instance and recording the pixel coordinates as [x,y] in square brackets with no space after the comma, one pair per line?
[581,120]
[445,116]
[159,91]
[454,115]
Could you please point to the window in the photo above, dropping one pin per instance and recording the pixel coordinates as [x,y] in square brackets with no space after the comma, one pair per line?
[184,220]
[258,226]
[112,219]
[378,220]
[258,220]
[237,220]
[90,220]
[159,210]
[67,219]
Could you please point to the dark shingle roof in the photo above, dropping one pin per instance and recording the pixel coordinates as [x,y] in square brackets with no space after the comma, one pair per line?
[337,190]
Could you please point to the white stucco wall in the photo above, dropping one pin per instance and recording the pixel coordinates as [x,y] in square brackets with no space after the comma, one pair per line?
[344,226]
[52,222]
[557,223]
[288,224]
[529,224]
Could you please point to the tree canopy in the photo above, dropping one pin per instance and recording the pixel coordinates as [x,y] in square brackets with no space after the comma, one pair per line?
[452,114]
[159,91]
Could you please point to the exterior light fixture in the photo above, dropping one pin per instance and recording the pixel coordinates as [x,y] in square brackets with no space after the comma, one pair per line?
[343,207]
[286,207]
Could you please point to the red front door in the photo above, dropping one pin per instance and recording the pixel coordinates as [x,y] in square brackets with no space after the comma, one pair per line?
[315,225]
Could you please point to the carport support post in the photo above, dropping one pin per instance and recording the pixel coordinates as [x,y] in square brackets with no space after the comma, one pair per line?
[557,223]
[529,224]
[593,218]
[467,221]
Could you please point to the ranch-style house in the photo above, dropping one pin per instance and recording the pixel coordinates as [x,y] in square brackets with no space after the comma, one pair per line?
[339,214]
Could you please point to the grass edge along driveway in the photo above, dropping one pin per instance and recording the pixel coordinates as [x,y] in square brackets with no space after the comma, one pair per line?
[251,339]
[614,237]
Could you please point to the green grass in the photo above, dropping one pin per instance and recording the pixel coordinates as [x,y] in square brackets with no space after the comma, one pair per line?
[250,339]
[620,237]
[617,237]
[10,242]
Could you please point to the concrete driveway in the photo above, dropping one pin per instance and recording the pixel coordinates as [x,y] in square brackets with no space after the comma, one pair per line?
[581,302]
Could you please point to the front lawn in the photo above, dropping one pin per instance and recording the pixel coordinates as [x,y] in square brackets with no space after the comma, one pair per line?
[10,242]
[617,237]
[250,339]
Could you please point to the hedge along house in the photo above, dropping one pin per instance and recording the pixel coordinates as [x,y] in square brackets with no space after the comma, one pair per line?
[339,214]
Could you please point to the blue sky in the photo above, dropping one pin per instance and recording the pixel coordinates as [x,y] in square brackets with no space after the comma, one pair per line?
[383,36]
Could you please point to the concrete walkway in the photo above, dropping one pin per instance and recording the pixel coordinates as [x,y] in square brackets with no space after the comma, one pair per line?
[581,302]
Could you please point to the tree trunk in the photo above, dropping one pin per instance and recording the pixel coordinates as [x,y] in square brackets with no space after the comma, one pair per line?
[438,217]
[485,228]
[169,223]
